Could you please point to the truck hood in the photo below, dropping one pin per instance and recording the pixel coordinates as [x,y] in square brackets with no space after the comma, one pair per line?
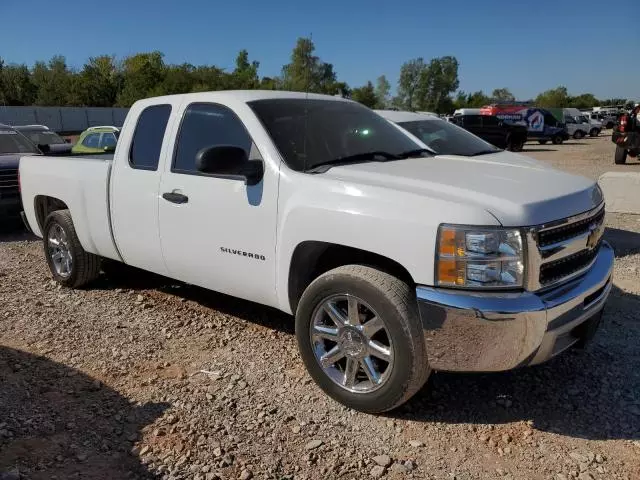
[8,161]
[517,190]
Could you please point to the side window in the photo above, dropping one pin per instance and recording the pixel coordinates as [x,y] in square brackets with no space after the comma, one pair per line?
[92,140]
[569,120]
[207,125]
[108,140]
[148,136]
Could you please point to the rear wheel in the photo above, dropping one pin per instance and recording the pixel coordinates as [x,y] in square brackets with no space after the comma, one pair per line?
[578,134]
[543,142]
[620,156]
[556,140]
[360,337]
[69,263]
[594,132]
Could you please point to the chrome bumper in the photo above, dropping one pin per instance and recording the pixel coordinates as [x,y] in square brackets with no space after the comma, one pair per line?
[471,331]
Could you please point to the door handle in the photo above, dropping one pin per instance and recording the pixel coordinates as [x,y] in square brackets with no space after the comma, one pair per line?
[174,197]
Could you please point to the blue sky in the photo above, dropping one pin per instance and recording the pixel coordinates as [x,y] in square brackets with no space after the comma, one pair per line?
[527,46]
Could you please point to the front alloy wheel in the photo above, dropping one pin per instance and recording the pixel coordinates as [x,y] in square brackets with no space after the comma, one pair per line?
[351,344]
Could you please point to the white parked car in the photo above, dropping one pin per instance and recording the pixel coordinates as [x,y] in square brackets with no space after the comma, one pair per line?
[395,257]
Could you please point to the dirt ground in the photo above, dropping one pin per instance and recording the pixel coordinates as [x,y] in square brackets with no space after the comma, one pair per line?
[143,377]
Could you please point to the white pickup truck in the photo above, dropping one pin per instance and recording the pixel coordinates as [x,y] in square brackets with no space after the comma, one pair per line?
[397,255]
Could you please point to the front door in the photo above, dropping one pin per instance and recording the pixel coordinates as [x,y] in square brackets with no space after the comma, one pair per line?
[216,231]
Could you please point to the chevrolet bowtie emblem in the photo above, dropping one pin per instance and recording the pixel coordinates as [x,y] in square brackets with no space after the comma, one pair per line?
[595,232]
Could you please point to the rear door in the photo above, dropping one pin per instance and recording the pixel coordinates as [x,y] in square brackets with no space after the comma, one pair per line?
[135,181]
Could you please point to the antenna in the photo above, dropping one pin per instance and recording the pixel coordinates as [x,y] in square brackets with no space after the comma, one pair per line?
[306,104]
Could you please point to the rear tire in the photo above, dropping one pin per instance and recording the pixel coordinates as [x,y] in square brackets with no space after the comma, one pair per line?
[543,142]
[556,140]
[68,262]
[393,302]
[578,134]
[620,156]
[594,132]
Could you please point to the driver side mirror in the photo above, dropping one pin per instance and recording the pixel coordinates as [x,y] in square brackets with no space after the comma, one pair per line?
[229,160]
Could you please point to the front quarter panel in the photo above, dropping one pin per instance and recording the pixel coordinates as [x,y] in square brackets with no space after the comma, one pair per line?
[398,225]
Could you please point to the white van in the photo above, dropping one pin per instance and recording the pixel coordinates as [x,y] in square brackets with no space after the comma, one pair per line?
[580,125]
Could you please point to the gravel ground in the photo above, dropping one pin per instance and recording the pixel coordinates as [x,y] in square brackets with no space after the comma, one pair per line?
[143,377]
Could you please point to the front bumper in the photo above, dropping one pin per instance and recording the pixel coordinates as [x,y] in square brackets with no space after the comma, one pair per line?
[485,332]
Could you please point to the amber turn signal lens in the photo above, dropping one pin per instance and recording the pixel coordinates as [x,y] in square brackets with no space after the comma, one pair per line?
[447,242]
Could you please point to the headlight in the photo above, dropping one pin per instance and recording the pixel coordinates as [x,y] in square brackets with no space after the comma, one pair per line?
[476,257]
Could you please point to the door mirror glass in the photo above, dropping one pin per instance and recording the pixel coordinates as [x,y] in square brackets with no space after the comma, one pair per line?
[221,159]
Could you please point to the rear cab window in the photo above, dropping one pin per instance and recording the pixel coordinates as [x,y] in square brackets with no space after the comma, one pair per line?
[148,136]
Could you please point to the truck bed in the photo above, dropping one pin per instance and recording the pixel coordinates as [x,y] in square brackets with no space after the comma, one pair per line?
[82,183]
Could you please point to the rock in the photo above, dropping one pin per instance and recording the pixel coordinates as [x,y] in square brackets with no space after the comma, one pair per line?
[246,474]
[506,438]
[507,450]
[492,443]
[295,429]
[139,298]
[585,476]
[378,471]
[313,444]
[409,465]
[578,457]
[416,443]
[599,458]
[561,476]
[81,457]
[399,468]
[483,438]
[171,419]
[382,460]
[145,449]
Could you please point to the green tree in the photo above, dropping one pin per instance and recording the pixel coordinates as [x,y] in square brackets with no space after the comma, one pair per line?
[409,82]
[613,101]
[245,75]
[586,100]
[437,81]
[210,78]
[502,95]
[53,82]
[143,75]
[98,82]
[306,72]
[382,91]
[269,83]
[16,85]
[556,97]
[477,99]
[366,95]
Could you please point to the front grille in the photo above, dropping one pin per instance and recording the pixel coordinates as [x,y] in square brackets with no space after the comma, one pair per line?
[552,272]
[9,183]
[566,232]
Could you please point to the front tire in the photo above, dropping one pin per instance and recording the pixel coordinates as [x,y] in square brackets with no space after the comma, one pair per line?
[594,132]
[557,140]
[360,337]
[620,156]
[542,142]
[68,262]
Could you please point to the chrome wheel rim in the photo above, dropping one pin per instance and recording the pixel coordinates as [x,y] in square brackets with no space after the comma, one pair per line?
[351,344]
[58,246]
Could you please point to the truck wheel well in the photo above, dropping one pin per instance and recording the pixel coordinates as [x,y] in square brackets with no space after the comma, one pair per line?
[311,259]
[44,205]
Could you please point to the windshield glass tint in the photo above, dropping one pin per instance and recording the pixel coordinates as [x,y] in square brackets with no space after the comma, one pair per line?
[311,132]
[13,142]
[44,138]
[446,138]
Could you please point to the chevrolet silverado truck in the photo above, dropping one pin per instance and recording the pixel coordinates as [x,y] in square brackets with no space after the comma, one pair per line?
[396,257]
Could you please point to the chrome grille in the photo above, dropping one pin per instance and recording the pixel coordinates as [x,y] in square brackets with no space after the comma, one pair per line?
[9,183]
[564,249]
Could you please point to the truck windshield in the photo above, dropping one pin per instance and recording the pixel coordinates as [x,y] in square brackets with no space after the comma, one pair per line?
[445,138]
[14,142]
[310,133]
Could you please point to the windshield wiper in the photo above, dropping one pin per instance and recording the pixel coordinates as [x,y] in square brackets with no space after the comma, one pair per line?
[414,153]
[358,157]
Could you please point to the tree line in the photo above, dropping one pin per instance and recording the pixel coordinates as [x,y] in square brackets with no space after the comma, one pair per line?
[105,81]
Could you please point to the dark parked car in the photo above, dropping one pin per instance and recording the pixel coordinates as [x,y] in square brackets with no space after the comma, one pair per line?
[493,130]
[46,140]
[12,146]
